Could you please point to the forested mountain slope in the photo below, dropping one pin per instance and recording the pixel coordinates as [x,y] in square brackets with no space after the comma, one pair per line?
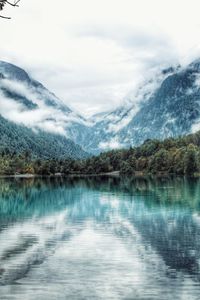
[180,156]
[19,139]
[34,119]
[167,105]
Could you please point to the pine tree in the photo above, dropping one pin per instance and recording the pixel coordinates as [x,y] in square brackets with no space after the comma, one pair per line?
[190,160]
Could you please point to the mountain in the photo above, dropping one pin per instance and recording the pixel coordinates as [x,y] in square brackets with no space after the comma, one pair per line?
[32,118]
[166,106]
[32,104]
[19,139]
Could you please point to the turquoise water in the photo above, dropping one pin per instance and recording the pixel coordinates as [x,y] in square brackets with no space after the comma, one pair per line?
[99,238]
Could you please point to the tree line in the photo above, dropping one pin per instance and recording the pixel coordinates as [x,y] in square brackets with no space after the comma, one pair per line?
[178,156]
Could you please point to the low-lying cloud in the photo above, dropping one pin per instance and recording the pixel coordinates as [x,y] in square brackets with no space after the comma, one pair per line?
[91,53]
[51,118]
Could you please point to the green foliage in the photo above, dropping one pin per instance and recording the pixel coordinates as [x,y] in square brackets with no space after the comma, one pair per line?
[179,156]
[190,159]
[16,139]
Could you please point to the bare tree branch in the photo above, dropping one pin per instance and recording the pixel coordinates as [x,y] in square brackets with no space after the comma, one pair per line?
[13,4]
[3,17]
[4,2]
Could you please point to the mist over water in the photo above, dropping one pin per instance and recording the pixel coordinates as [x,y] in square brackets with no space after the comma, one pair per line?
[99,238]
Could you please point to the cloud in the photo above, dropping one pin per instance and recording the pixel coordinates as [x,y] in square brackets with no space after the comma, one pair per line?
[92,53]
[111,144]
[48,114]
[147,48]
[124,35]
[35,119]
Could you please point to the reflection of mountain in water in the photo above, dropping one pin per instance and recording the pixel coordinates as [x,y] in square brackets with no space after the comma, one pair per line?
[164,212]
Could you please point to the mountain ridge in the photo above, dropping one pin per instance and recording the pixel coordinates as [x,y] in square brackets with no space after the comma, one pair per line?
[28,117]
[169,109]
[166,105]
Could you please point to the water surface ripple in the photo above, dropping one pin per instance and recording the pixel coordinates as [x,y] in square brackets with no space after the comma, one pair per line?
[99,238]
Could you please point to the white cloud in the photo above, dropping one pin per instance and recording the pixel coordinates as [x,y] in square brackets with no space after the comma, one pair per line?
[91,52]
[113,143]
[43,116]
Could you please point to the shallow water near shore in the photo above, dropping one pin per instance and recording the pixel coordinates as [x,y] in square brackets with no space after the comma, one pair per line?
[99,238]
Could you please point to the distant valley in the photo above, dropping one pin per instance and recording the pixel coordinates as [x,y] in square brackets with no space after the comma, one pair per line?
[32,117]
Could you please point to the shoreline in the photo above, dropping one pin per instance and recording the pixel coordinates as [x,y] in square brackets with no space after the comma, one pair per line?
[116,174]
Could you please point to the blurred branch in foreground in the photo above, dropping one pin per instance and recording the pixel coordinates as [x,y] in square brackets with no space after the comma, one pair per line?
[3,3]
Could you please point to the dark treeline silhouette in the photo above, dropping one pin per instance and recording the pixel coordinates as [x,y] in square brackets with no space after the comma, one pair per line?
[179,156]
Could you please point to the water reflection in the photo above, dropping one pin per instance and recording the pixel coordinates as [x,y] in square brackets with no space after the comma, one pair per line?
[99,238]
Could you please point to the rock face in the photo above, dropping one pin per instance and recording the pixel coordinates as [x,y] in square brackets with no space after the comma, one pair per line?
[165,106]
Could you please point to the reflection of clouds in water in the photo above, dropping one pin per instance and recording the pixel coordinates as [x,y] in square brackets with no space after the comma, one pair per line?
[101,263]
[99,245]
[27,244]
[196,218]
[113,201]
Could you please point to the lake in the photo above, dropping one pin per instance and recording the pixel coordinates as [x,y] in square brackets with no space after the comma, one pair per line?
[99,238]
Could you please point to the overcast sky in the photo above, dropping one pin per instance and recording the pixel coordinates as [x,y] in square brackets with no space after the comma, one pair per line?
[91,53]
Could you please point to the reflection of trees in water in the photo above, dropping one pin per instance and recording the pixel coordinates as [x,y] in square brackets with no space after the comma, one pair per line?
[26,197]
[163,190]
[46,192]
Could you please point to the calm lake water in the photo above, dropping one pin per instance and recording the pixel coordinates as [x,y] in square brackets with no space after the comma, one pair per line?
[99,238]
